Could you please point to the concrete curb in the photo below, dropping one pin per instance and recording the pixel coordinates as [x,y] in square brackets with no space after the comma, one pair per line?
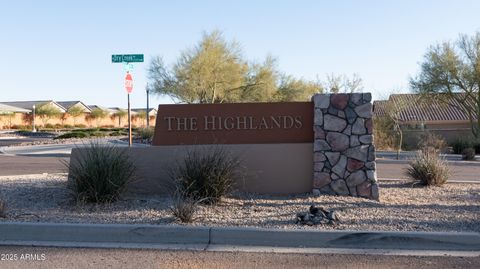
[460,163]
[182,237]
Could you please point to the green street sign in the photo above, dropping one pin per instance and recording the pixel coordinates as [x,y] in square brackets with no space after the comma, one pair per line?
[127,58]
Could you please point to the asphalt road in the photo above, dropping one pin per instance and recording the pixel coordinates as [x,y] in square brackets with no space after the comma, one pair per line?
[133,258]
[20,165]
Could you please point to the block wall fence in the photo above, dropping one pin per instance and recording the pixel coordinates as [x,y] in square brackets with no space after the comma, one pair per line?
[344,154]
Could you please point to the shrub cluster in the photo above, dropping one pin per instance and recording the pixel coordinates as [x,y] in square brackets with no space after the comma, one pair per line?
[100,173]
[203,177]
[74,134]
[461,144]
[145,133]
[468,154]
[207,175]
[428,169]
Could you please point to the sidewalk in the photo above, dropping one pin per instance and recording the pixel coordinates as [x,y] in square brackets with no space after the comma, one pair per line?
[213,238]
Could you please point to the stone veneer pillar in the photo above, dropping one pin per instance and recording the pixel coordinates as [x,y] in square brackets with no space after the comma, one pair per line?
[344,154]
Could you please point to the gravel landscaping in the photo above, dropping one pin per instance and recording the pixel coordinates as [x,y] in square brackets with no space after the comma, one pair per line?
[453,207]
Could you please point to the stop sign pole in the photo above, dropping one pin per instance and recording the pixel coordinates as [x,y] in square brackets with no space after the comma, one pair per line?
[129,88]
[127,59]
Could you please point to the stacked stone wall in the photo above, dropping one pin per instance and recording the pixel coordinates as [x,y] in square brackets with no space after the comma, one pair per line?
[344,154]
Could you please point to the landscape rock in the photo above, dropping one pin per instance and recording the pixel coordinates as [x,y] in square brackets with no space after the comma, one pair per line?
[358,153]
[339,101]
[358,127]
[316,192]
[348,130]
[321,100]
[356,178]
[350,114]
[319,157]
[353,165]
[369,126]
[321,179]
[371,153]
[356,98]
[337,141]
[320,145]
[353,191]
[375,193]
[370,166]
[366,139]
[319,132]
[339,168]
[364,111]
[339,187]
[318,117]
[332,157]
[327,190]
[354,141]
[364,189]
[318,167]
[367,97]
[372,175]
[334,123]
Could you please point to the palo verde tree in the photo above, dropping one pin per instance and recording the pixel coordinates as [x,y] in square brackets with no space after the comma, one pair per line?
[120,114]
[75,112]
[98,114]
[214,71]
[47,112]
[342,83]
[453,69]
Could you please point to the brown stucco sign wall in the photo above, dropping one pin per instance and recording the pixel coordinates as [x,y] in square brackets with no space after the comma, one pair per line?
[246,123]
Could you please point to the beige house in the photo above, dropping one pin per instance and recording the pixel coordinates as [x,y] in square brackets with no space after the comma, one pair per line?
[52,114]
[444,118]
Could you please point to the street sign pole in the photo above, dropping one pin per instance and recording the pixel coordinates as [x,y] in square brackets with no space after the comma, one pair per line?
[148,117]
[127,59]
[129,122]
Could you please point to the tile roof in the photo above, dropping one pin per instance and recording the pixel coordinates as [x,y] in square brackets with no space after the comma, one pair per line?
[29,104]
[12,109]
[421,109]
[69,104]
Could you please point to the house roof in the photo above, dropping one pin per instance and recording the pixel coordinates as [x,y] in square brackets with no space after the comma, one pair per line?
[29,104]
[69,104]
[12,109]
[379,108]
[434,108]
[151,111]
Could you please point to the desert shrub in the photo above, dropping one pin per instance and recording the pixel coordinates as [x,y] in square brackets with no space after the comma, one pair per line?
[206,174]
[80,126]
[3,208]
[98,134]
[431,141]
[460,144]
[118,133]
[428,169]
[21,127]
[49,126]
[100,173]
[145,133]
[183,206]
[383,135]
[468,154]
[75,134]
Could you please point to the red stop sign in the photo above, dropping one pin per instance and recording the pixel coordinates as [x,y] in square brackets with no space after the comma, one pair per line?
[128,83]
